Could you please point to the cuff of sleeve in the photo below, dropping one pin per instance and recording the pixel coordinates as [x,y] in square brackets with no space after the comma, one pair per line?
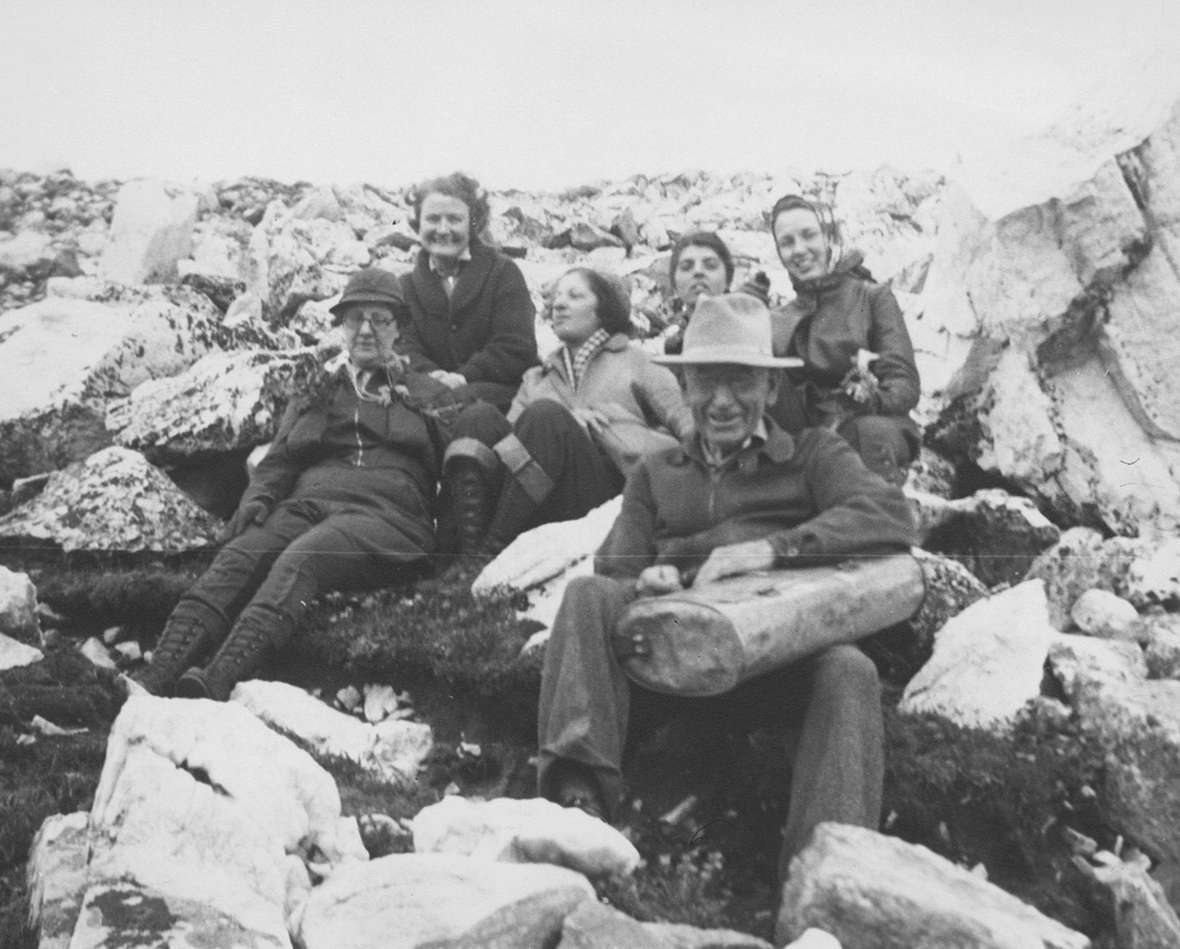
[791,547]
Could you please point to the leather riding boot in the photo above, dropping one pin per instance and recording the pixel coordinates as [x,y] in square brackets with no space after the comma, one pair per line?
[471,493]
[243,652]
[191,633]
[514,514]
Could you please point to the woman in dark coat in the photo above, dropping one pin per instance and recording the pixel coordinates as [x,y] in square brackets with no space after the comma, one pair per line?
[343,499]
[471,319]
[859,375]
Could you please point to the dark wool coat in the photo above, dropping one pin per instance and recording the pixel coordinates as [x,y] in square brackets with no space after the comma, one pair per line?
[810,495]
[828,321]
[348,454]
[484,331]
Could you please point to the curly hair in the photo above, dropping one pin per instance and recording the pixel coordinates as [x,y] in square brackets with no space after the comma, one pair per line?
[707,239]
[614,303]
[454,185]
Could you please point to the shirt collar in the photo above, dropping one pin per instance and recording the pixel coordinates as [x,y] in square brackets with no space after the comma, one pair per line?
[714,459]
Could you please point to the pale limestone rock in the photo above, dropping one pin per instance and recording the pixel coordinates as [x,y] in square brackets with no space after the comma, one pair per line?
[1100,613]
[26,250]
[391,751]
[524,831]
[987,661]
[814,939]
[224,402]
[1082,664]
[18,607]
[1137,904]
[1080,561]
[56,875]
[289,256]
[14,653]
[319,202]
[547,551]
[112,501]
[416,901]
[1154,577]
[1138,723]
[597,926]
[62,359]
[1163,646]
[96,651]
[380,702]
[678,936]
[876,892]
[152,229]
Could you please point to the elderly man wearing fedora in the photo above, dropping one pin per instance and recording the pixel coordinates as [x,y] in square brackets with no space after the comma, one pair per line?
[344,496]
[742,495]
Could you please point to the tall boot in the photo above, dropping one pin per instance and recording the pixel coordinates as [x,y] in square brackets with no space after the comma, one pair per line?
[244,651]
[193,630]
[515,512]
[471,493]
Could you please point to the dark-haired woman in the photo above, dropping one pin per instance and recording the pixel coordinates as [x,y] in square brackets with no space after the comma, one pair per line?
[701,264]
[471,316]
[578,424]
[859,375]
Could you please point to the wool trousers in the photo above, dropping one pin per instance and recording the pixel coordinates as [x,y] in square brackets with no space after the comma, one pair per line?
[271,572]
[833,700]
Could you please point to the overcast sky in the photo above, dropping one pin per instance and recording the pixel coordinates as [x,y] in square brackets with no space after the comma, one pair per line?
[542,93]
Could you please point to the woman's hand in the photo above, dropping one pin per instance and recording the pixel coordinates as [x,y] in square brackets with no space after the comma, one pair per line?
[732,560]
[594,420]
[658,579]
[247,515]
[452,380]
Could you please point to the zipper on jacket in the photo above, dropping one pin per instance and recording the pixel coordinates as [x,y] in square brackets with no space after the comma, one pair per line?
[356,430]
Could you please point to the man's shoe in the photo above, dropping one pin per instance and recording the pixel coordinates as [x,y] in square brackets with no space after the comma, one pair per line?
[574,790]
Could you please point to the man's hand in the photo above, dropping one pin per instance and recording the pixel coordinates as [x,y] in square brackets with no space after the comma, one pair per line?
[247,515]
[452,380]
[731,560]
[658,579]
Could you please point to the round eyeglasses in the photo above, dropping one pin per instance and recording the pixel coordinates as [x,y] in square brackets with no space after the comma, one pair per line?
[378,319]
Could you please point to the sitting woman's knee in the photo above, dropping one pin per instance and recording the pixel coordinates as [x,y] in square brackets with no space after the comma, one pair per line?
[482,421]
[849,667]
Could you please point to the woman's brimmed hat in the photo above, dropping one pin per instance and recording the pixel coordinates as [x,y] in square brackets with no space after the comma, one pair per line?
[371,285]
[729,328]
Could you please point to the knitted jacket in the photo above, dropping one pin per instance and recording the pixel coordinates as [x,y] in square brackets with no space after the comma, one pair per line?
[484,331]
[641,399]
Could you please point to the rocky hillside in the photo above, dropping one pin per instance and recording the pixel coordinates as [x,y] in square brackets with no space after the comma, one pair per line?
[150,334]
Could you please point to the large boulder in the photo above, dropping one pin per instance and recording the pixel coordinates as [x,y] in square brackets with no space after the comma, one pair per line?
[190,841]
[876,892]
[152,229]
[225,402]
[62,360]
[114,501]
[18,607]
[390,751]
[524,831]
[988,661]
[1052,262]
[416,901]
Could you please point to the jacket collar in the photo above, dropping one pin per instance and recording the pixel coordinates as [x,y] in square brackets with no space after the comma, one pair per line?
[778,448]
[471,279]
[808,292]
[617,343]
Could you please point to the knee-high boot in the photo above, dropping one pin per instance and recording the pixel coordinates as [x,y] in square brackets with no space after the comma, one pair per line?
[526,488]
[246,648]
[472,491]
[192,632]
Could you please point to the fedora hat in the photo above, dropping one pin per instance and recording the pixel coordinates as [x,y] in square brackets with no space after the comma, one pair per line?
[729,328]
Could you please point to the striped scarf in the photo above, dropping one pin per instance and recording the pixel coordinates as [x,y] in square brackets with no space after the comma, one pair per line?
[575,363]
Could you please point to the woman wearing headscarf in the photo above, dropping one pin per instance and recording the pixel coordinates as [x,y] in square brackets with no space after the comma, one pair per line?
[580,421]
[858,374]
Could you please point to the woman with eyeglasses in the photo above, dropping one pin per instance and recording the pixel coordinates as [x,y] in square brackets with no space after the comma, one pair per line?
[343,499]
[858,375]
